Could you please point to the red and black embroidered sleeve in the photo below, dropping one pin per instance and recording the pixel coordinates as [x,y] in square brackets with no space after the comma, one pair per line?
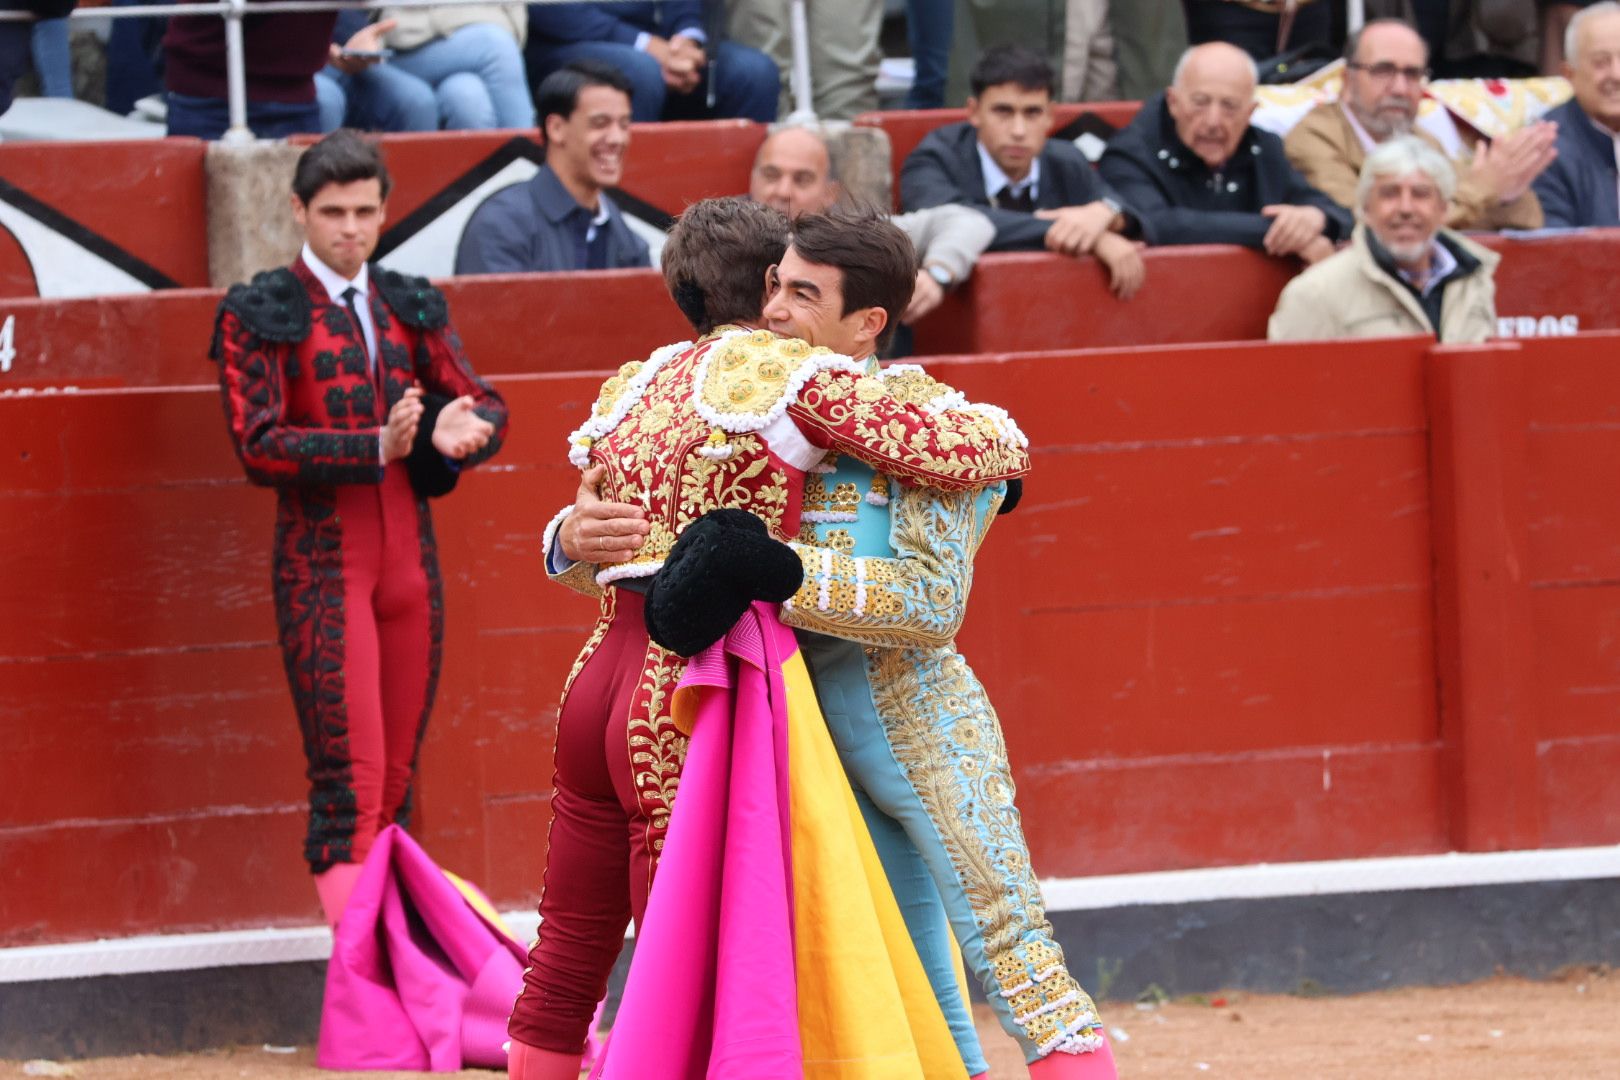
[275,452]
[439,361]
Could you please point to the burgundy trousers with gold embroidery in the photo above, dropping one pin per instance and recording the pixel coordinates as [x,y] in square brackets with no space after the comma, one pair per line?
[618,762]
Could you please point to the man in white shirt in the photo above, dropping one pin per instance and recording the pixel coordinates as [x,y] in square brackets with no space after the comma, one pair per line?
[1038,192]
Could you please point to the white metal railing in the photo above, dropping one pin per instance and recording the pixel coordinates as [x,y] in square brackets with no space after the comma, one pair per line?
[233,11]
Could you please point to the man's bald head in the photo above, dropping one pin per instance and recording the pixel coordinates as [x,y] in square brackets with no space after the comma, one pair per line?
[793,173]
[1593,63]
[1212,98]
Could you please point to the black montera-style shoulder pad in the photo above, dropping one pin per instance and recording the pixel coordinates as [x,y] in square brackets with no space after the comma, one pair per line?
[273,306]
[413,299]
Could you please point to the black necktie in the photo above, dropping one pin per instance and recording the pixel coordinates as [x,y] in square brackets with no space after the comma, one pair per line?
[350,296]
[1023,199]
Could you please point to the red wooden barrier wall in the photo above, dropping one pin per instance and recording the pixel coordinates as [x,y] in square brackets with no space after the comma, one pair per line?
[509,323]
[1021,302]
[1214,631]
[140,202]
[73,195]
[1014,303]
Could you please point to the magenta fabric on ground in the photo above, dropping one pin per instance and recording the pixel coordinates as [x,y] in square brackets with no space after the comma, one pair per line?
[418,979]
[711,990]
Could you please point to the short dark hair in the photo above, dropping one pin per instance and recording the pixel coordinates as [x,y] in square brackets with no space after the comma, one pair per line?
[716,256]
[558,93]
[1012,63]
[340,158]
[877,259]
[1352,40]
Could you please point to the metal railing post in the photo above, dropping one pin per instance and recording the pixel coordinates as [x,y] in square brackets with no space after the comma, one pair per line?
[236,75]
[1355,15]
[804,108]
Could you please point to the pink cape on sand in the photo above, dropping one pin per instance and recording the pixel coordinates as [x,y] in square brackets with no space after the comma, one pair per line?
[422,975]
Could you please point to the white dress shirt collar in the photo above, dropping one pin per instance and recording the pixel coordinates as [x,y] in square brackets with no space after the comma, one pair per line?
[336,285]
[1367,141]
[995,179]
[1442,264]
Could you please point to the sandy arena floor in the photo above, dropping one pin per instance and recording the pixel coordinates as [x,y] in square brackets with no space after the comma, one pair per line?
[1501,1029]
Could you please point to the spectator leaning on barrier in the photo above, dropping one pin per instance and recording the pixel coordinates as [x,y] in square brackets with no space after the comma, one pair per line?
[1197,172]
[663,48]
[1383,89]
[562,219]
[793,173]
[1580,187]
[1403,273]
[1038,192]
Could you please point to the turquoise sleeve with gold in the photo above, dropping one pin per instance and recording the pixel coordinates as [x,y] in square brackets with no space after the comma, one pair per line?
[917,596]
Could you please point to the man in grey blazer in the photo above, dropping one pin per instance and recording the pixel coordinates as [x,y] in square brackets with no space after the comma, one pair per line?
[561,219]
[1039,193]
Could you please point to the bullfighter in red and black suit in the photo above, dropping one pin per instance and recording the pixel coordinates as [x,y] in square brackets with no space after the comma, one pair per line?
[347,390]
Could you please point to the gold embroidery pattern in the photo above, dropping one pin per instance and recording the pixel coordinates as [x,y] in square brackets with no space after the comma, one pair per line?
[945,735]
[917,597]
[844,499]
[748,375]
[913,386]
[655,746]
[951,449]
[653,460]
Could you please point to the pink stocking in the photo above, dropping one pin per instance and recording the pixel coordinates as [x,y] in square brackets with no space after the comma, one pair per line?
[525,1062]
[333,887]
[1096,1065]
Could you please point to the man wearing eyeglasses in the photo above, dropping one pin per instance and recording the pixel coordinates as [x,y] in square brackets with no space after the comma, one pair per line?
[1383,90]
[1197,172]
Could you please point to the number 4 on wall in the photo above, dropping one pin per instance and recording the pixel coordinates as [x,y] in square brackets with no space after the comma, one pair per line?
[7,350]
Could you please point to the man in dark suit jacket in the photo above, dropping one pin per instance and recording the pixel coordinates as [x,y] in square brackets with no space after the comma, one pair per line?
[662,47]
[562,219]
[1579,188]
[1038,193]
[1198,172]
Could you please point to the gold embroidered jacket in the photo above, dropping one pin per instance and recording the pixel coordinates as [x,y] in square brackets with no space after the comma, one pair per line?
[738,418]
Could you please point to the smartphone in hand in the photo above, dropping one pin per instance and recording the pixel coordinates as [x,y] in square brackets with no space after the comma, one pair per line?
[347,53]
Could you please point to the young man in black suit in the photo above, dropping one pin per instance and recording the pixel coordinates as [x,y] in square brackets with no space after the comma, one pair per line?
[1038,193]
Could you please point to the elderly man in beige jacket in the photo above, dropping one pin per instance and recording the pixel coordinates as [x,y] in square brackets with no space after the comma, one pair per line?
[1403,272]
[1383,89]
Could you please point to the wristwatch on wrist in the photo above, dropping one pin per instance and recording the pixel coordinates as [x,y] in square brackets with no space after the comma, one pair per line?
[941,275]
